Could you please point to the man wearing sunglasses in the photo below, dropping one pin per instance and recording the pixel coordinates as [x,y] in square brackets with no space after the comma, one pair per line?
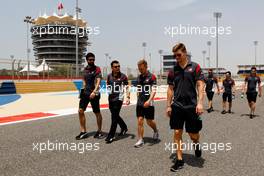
[117,84]
[250,87]
[229,92]
[210,82]
[183,105]
[90,94]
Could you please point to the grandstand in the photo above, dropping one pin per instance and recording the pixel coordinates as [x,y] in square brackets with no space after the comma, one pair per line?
[244,70]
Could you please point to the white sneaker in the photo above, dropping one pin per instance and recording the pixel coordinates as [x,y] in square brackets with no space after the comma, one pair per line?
[139,143]
[156,135]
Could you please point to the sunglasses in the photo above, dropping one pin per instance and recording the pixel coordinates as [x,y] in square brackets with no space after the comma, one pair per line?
[117,66]
[177,55]
[91,59]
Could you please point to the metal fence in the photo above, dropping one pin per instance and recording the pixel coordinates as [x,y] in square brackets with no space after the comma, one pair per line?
[17,69]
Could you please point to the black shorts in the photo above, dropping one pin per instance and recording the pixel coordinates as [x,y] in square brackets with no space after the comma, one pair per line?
[147,113]
[189,117]
[210,95]
[227,96]
[95,102]
[252,96]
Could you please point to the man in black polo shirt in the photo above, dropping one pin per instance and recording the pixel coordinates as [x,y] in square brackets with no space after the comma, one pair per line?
[252,90]
[229,92]
[210,83]
[117,84]
[90,94]
[146,83]
[183,105]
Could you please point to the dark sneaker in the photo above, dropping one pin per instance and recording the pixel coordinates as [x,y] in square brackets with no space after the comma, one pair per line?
[109,140]
[210,110]
[123,132]
[98,135]
[82,135]
[198,151]
[178,165]
[229,111]
[223,112]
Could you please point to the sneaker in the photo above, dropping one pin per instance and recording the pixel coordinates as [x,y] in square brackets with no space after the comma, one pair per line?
[178,165]
[156,135]
[123,132]
[82,135]
[109,140]
[198,151]
[139,143]
[251,116]
[98,135]
[223,112]
[229,111]
[210,110]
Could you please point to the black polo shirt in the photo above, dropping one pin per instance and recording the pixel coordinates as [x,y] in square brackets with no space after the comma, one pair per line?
[90,74]
[144,87]
[115,86]
[184,83]
[252,83]
[228,84]
[210,81]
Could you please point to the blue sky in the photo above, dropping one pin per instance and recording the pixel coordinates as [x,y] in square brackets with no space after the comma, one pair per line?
[124,25]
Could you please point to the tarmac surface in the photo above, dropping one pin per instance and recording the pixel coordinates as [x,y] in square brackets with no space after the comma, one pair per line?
[233,145]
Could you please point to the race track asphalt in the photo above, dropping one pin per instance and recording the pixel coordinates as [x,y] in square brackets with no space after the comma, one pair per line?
[241,150]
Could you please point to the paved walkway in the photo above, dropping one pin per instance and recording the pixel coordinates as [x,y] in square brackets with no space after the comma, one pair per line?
[234,146]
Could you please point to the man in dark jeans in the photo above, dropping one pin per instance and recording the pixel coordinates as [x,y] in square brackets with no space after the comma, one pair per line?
[185,102]
[117,84]
[229,91]
[252,90]
[90,94]
[210,83]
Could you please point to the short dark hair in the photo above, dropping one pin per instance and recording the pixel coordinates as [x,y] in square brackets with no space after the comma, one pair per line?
[253,68]
[228,73]
[210,70]
[89,55]
[179,46]
[114,62]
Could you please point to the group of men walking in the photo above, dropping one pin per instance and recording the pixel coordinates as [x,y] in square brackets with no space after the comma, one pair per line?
[251,86]
[185,94]
[118,90]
